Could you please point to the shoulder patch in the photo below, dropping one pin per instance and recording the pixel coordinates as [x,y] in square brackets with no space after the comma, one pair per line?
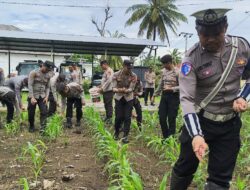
[186,67]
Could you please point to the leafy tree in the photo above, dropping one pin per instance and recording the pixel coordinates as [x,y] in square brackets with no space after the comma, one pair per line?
[157,16]
[176,56]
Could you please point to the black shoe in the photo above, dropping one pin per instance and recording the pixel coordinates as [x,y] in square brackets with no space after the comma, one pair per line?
[212,186]
[68,123]
[125,140]
[32,129]
[152,104]
[108,121]
[146,104]
[116,136]
[177,182]
[78,124]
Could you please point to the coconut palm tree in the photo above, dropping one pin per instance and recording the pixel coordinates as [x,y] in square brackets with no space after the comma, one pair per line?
[156,17]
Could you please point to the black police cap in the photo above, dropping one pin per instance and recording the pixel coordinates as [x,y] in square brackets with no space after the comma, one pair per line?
[166,59]
[128,63]
[49,64]
[210,17]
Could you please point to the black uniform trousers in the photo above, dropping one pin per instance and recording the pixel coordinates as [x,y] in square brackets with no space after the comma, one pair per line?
[9,99]
[123,112]
[168,110]
[52,105]
[223,140]
[148,91]
[78,105]
[32,110]
[138,110]
[108,103]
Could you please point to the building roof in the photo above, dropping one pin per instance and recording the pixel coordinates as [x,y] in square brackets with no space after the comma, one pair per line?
[62,43]
[9,27]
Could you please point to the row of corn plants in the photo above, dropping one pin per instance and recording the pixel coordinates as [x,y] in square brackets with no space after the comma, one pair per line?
[168,150]
[36,152]
[121,174]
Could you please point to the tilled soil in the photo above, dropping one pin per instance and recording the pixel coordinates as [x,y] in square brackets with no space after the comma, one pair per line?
[70,154]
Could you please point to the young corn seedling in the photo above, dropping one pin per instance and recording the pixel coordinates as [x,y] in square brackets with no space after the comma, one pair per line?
[163,185]
[12,128]
[54,127]
[36,153]
[23,182]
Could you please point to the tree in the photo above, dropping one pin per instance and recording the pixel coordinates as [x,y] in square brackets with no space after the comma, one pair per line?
[115,62]
[156,17]
[176,56]
[101,29]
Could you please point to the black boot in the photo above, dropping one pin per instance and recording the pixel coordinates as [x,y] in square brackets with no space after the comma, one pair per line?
[116,135]
[212,186]
[68,123]
[125,138]
[78,123]
[180,183]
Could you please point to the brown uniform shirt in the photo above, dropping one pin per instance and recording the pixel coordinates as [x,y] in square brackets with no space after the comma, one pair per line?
[200,72]
[168,78]
[120,80]
[39,84]
[106,83]
[150,79]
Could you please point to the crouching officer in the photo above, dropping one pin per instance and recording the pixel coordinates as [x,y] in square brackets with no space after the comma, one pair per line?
[75,95]
[17,84]
[123,85]
[169,104]
[8,97]
[39,83]
[138,91]
[209,94]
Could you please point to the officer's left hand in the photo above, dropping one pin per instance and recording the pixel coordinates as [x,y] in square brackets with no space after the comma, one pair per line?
[240,105]
[199,147]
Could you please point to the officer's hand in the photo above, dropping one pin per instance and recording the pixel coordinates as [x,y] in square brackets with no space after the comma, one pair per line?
[83,103]
[167,87]
[45,100]
[33,101]
[199,147]
[240,105]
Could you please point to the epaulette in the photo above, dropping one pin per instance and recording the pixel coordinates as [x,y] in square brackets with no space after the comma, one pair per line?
[242,39]
[191,50]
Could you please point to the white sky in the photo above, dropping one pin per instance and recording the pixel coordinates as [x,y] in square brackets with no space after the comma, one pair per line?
[72,20]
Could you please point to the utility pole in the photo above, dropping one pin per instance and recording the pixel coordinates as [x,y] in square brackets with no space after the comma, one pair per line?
[186,36]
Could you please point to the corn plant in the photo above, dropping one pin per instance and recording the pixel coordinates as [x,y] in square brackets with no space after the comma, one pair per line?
[163,185]
[23,182]
[12,128]
[54,127]
[36,153]
[121,175]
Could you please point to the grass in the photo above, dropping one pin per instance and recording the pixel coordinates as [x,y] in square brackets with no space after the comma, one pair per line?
[12,128]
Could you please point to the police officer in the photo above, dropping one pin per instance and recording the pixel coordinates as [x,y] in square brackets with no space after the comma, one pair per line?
[169,104]
[123,85]
[210,99]
[106,89]
[138,91]
[17,84]
[8,97]
[52,95]
[75,95]
[149,77]
[76,74]
[39,83]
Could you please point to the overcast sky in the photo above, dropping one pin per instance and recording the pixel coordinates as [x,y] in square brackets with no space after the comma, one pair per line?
[77,20]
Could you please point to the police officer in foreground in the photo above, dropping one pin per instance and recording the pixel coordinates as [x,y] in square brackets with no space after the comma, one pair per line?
[123,85]
[169,90]
[210,99]
[39,84]
[106,89]
[17,84]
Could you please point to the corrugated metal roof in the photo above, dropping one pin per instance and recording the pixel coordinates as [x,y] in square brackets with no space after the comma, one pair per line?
[62,43]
